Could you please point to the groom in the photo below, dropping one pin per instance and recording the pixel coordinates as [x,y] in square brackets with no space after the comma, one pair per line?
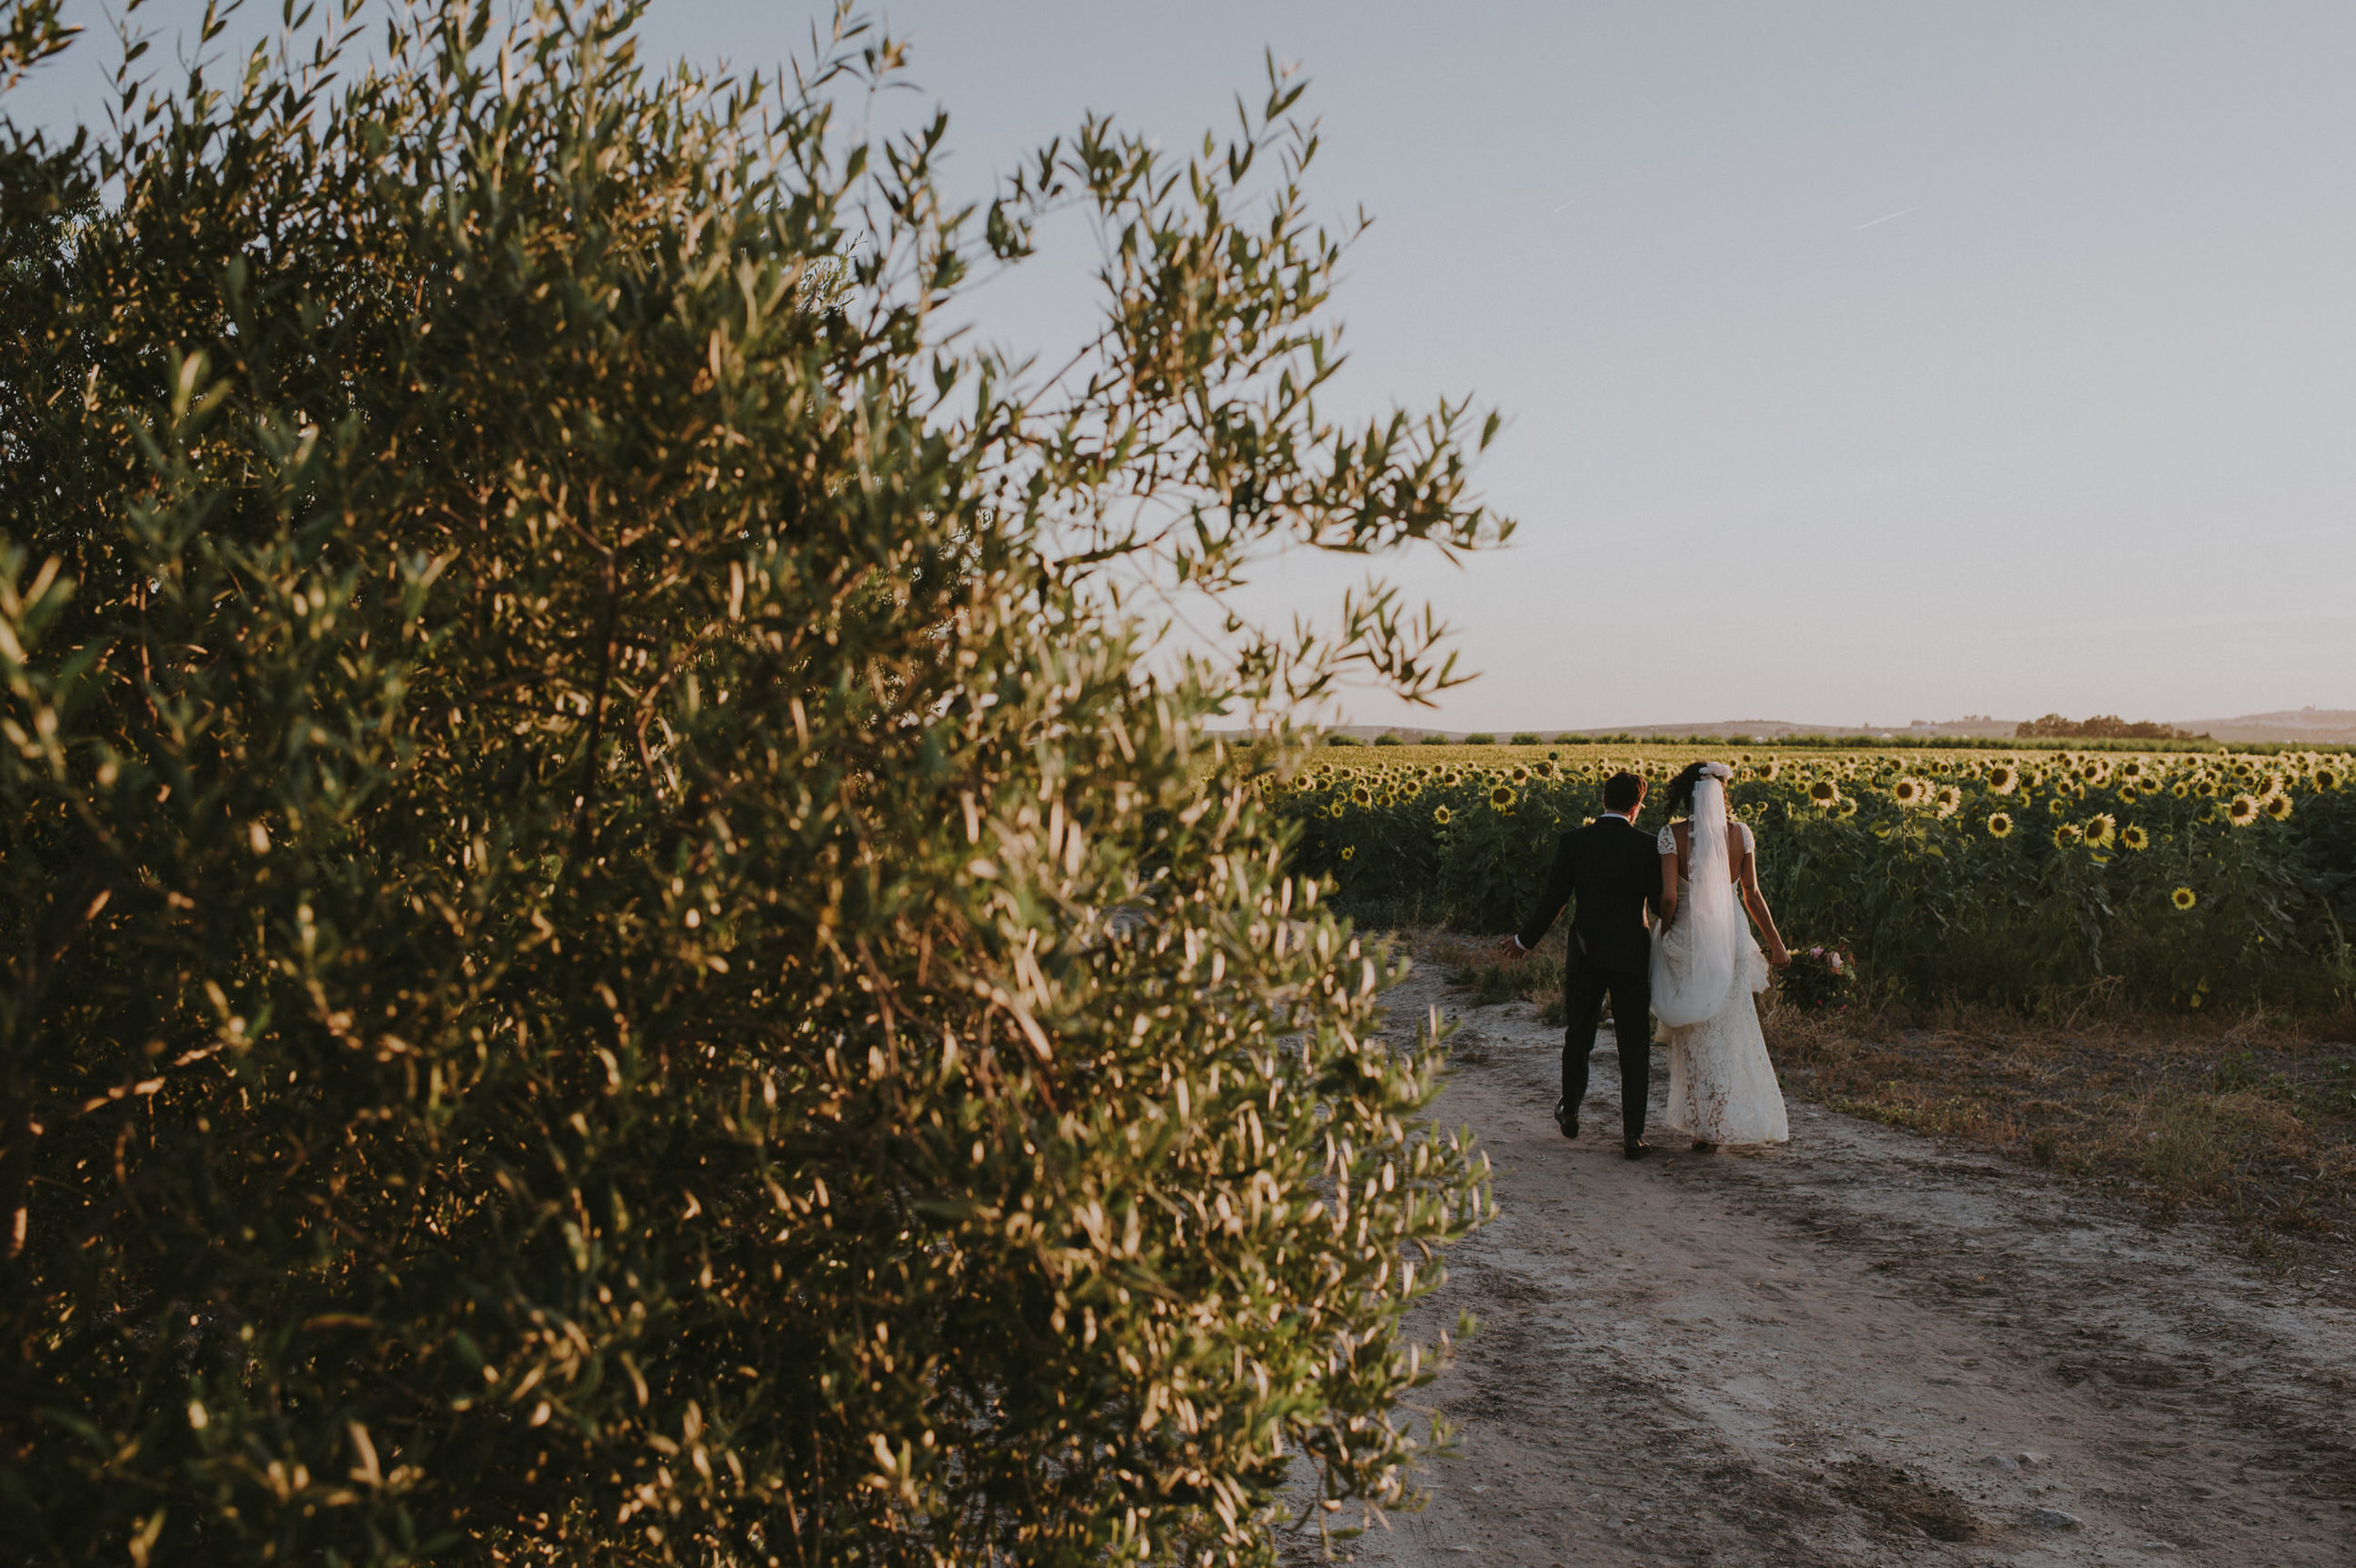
[1615,872]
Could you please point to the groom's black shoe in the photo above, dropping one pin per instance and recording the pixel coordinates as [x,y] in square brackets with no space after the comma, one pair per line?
[1566,1118]
[1634,1148]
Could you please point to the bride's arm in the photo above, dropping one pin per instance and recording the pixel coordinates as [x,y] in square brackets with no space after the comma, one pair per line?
[1668,889]
[1756,901]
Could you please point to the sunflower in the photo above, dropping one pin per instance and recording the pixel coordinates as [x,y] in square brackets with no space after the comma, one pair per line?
[2277,807]
[2065,834]
[2102,831]
[2180,789]
[1824,793]
[1909,791]
[1771,770]
[2242,811]
[2132,768]
[2127,794]
[1349,852]
[2131,837]
[2004,780]
[1409,788]
[2205,789]
[1950,800]
[2182,898]
[1439,814]
[1848,807]
[1337,808]
[2327,779]
[1502,796]
[1999,825]
[2054,805]
[1361,795]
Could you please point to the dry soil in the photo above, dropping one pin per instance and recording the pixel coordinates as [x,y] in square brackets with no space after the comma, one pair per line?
[1862,1347]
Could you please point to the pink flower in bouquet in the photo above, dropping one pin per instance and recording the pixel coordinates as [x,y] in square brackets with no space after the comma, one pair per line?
[1835,962]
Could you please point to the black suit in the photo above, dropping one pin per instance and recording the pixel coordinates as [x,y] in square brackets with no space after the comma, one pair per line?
[1614,871]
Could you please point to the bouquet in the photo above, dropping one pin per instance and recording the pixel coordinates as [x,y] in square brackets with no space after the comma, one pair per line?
[1820,979]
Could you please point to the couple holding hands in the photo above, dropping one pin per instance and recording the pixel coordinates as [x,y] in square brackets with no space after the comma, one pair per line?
[1696,970]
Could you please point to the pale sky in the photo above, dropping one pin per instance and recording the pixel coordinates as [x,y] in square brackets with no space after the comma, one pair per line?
[1863,362]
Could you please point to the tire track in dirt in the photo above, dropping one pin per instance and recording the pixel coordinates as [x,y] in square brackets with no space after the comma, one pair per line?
[1862,1347]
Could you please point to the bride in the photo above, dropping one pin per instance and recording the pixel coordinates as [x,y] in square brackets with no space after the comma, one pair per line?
[1704,968]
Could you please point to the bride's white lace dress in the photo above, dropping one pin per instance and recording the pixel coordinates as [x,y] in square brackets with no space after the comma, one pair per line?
[1722,1086]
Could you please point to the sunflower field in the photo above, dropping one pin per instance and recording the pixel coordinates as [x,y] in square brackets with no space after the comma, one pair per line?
[2165,879]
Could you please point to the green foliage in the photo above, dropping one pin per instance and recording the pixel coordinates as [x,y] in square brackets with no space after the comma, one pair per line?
[1388,738]
[35,30]
[2102,726]
[2018,879]
[1480,740]
[609,957]
[1527,740]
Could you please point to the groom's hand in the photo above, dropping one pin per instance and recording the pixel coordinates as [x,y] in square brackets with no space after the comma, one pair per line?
[1510,951]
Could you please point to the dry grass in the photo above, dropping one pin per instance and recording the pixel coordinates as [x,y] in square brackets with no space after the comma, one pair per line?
[2254,1121]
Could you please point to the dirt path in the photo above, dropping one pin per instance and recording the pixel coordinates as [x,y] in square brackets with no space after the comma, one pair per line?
[1861,1347]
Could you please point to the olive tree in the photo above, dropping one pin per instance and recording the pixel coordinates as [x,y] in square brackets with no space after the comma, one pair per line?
[618,946]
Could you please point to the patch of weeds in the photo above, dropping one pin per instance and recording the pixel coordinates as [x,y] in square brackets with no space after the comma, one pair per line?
[2235,1070]
[2240,1071]
[1474,967]
[1490,984]
[2333,1092]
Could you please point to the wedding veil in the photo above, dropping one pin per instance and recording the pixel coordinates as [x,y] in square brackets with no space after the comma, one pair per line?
[1693,963]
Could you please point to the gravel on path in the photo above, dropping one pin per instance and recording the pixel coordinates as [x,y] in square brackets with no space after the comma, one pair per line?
[1860,1347]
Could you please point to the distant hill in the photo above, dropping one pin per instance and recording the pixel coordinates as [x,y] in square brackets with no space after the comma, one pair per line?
[1761,730]
[2298,726]
[1731,729]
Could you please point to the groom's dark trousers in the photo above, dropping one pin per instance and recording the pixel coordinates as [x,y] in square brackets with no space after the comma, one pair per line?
[1611,874]
[1584,986]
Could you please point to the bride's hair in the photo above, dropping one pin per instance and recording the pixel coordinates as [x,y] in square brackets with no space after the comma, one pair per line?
[1680,797]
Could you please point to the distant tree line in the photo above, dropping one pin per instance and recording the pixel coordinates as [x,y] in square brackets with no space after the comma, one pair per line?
[2102,726]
